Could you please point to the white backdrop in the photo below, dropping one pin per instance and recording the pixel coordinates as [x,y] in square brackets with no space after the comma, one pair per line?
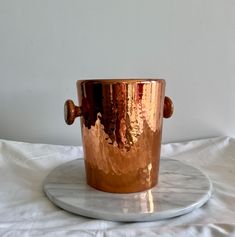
[45,46]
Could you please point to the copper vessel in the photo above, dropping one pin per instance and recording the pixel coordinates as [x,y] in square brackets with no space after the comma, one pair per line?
[121,122]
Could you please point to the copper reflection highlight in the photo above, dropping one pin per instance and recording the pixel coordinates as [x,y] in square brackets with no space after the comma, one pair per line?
[121,131]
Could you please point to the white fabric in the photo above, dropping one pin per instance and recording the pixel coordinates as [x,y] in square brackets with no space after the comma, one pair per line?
[25,211]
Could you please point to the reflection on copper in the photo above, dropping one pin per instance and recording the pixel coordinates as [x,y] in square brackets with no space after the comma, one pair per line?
[121,131]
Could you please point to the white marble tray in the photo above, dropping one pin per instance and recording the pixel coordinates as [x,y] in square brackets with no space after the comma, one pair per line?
[181,189]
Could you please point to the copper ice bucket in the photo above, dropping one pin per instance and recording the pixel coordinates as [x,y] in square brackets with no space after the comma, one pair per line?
[121,123]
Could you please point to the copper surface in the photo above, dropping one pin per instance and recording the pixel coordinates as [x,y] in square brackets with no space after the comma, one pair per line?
[121,130]
[168,107]
[71,111]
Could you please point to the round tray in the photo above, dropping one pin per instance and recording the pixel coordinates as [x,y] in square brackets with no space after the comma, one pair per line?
[181,189]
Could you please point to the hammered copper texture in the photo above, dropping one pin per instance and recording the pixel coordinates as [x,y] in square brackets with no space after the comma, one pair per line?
[121,131]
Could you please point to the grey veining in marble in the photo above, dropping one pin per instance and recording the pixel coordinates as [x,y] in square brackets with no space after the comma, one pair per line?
[181,189]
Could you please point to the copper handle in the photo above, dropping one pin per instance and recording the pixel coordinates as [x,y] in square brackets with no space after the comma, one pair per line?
[168,107]
[71,111]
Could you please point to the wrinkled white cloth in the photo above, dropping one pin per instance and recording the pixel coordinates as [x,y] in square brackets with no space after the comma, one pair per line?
[26,211]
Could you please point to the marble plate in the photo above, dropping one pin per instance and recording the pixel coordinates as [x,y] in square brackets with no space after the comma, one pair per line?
[181,189]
